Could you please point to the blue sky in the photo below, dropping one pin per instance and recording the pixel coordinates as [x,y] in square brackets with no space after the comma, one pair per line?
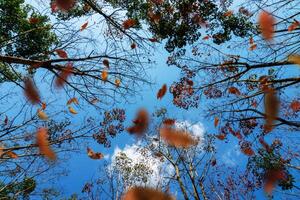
[82,169]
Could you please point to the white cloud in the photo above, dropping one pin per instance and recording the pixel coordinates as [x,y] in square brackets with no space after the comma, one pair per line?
[232,156]
[159,169]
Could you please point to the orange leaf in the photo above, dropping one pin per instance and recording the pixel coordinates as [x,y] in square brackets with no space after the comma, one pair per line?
[43,144]
[143,193]
[169,122]
[221,136]
[65,5]
[248,151]
[73,100]
[72,110]
[161,93]
[12,155]
[129,23]
[83,26]
[93,155]
[64,75]
[271,177]
[61,53]
[42,115]
[294,59]
[266,22]
[104,75]
[253,47]
[117,82]
[177,138]
[30,91]
[271,108]
[216,121]
[234,90]
[228,13]
[293,26]
[295,106]
[141,123]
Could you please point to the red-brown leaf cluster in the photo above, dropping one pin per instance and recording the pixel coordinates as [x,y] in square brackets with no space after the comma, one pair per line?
[129,23]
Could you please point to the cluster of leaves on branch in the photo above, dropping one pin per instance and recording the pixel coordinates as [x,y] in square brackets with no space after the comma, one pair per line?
[180,21]
[28,34]
[111,125]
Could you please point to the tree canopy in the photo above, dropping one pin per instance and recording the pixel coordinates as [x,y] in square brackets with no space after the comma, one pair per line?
[70,70]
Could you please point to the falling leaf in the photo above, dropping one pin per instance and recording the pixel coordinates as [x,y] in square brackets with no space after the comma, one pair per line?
[294,26]
[169,122]
[228,13]
[30,91]
[295,106]
[6,121]
[140,123]
[177,138]
[72,110]
[213,162]
[73,100]
[83,26]
[162,91]
[106,63]
[206,37]
[133,46]
[144,193]
[65,5]
[117,82]
[42,115]
[104,75]
[247,151]
[61,53]
[266,23]
[53,6]
[253,47]
[221,136]
[33,20]
[94,101]
[153,40]
[12,154]
[271,108]
[251,40]
[43,143]
[94,155]
[272,176]
[64,75]
[129,23]
[44,105]
[254,103]
[234,90]
[294,59]
[216,121]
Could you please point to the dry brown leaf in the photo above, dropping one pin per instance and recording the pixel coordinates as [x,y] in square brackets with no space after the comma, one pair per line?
[93,155]
[144,193]
[177,138]
[30,91]
[43,143]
